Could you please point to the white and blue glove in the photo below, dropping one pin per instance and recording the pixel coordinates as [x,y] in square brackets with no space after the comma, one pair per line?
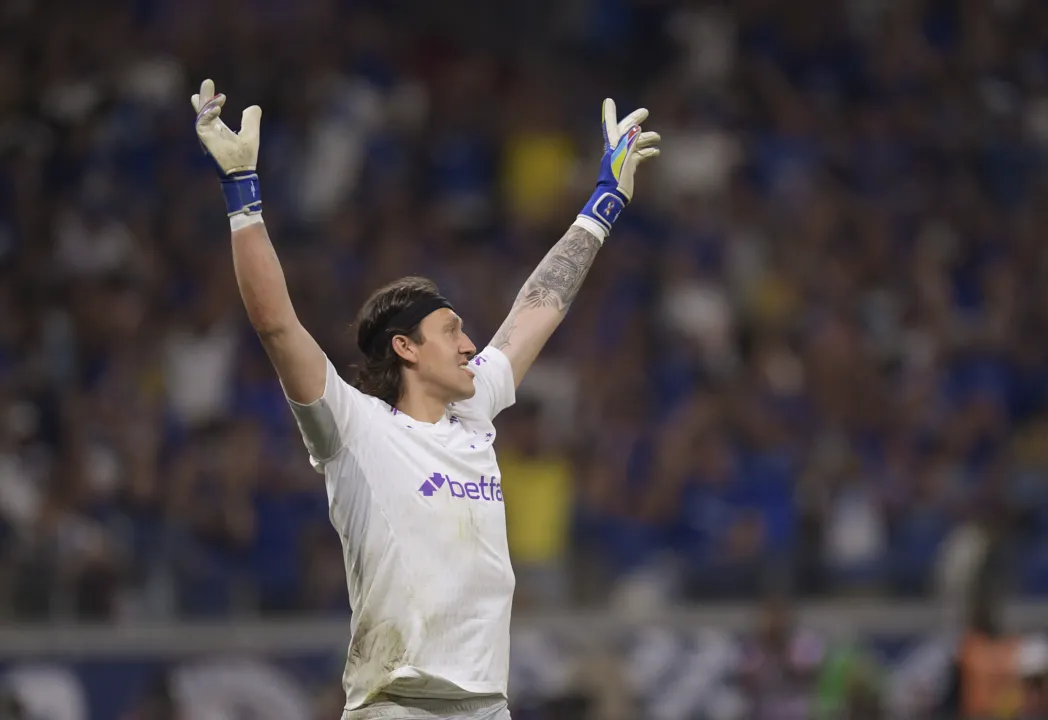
[625,147]
[235,155]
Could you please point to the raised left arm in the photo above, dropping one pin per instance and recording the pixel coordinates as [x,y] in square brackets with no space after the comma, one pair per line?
[545,298]
[548,293]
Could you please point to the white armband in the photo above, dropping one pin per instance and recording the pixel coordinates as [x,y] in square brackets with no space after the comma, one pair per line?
[242,220]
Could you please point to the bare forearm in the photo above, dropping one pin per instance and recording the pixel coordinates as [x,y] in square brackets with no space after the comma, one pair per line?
[261,281]
[544,300]
[295,355]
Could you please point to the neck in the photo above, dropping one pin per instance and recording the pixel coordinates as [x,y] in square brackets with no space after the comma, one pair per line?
[422,407]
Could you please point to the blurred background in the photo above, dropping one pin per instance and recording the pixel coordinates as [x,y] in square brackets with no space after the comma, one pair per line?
[786,458]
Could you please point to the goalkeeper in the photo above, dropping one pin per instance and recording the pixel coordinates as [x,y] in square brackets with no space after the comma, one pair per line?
[414,488]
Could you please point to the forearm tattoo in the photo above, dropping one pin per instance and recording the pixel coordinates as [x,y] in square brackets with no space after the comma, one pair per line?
[556,280]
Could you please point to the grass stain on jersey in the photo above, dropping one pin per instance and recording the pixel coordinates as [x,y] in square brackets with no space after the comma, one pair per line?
[375,651]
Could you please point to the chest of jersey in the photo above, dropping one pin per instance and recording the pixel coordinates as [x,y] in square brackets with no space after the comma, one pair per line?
[444,488]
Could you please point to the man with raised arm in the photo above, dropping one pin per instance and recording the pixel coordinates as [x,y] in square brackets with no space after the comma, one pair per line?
[406,450]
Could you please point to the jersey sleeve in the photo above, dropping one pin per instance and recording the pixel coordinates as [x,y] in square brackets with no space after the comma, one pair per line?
[329,423]
[496,389]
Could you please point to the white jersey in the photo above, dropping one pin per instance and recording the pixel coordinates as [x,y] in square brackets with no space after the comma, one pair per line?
[420,512]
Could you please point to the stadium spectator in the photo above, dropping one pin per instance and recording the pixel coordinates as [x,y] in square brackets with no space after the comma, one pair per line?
[538,509]
[781,666]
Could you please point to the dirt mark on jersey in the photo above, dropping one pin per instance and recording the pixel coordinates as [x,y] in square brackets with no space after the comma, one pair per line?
[376,649]
[469,529]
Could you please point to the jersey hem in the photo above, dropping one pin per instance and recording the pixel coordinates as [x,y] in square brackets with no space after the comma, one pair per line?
[466,691]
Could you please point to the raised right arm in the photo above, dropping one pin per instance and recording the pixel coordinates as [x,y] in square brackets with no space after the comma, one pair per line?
[299,361]
[324,406]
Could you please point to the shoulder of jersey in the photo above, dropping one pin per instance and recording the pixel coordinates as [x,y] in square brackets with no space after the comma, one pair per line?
[378,408]
[464,411]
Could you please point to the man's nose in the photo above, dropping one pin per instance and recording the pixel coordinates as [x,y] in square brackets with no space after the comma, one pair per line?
[468,348]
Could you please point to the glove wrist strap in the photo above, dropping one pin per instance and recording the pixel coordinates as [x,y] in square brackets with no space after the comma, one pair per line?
[604,207]
[242,193]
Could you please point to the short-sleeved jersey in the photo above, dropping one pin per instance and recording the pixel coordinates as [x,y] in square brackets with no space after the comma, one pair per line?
[419,509]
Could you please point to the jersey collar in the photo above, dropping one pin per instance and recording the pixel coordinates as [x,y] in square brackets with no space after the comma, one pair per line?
[410,423]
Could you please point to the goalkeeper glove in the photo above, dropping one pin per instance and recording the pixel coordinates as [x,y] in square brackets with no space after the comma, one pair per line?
[625,147]
[235,155]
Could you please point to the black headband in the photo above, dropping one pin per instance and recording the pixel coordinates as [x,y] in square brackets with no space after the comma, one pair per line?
[404,321]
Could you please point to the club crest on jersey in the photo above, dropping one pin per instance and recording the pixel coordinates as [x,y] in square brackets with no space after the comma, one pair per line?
[488,489]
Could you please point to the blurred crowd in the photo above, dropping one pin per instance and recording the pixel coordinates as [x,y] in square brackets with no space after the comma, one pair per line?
[813,355]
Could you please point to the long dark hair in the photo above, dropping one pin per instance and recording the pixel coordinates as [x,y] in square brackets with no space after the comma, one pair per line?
[381,374]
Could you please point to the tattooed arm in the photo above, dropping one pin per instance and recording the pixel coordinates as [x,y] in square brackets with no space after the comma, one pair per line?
[545,298]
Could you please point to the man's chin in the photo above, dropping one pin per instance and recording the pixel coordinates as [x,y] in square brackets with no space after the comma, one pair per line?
[466,390]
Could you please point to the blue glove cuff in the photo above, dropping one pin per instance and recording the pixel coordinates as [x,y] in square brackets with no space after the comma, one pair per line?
[242,193]
[604,206]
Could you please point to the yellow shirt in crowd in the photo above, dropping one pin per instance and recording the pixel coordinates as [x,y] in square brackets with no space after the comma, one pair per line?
[538,495]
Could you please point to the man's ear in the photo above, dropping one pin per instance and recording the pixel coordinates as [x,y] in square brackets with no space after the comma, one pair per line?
[405,348]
